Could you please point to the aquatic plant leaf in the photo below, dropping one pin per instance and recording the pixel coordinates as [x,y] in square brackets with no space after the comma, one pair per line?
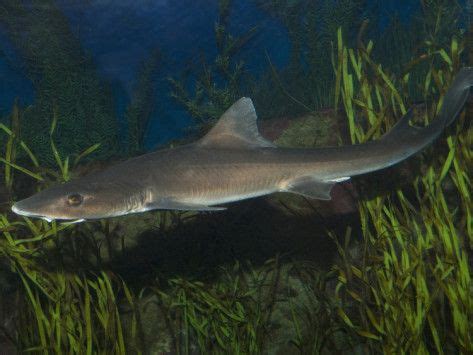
[445,57]
[367,334]
[345,318]
[23,170]
[86,152]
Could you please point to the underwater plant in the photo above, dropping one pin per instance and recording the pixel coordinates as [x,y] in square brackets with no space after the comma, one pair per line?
[64,79]
[412,289]
[141,107]
[218,84]
[302,85]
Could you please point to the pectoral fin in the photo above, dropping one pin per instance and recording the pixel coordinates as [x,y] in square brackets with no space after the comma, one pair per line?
[312,188]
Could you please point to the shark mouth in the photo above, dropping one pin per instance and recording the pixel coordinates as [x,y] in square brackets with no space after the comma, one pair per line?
[29,214]
[47,219]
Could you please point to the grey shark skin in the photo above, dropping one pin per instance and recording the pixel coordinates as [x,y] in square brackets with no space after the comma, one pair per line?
[233,162]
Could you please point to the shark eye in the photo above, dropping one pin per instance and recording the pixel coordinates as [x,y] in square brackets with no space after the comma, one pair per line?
[74,199]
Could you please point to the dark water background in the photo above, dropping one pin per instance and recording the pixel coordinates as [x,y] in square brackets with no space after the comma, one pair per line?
[119,35]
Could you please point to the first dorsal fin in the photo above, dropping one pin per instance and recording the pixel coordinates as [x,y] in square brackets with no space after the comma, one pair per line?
[236,128]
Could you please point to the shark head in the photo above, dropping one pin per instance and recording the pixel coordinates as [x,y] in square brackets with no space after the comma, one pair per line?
[81,200]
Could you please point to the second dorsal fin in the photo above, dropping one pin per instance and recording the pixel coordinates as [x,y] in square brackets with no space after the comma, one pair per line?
[236,128]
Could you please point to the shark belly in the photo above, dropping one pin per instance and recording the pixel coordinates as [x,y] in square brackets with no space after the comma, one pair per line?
[216,185]
[226,198]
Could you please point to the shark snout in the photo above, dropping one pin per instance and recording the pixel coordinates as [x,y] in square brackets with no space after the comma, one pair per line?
[23,208]
[16,209]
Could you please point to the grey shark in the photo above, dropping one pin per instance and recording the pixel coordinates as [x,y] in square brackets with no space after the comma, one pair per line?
[234,162]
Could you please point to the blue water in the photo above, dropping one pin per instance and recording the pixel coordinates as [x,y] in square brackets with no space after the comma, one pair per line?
[119,35]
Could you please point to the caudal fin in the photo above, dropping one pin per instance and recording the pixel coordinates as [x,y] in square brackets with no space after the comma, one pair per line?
[453,103]
[456,96]
[404,139]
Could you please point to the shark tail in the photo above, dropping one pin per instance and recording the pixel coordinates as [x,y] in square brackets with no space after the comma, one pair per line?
[404,139]
[453,103]
[456,97]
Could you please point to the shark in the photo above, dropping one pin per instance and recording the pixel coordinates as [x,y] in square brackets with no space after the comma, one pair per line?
[234,162]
